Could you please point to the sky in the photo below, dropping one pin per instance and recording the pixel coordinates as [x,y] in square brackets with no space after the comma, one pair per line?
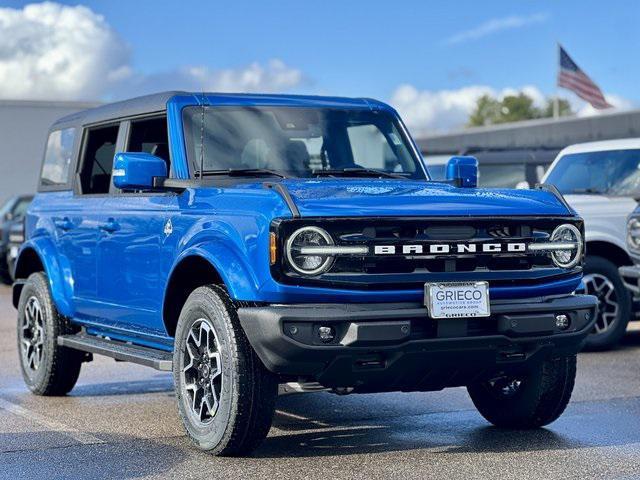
[430,60]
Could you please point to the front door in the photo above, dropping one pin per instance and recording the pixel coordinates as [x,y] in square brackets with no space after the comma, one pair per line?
[130,270]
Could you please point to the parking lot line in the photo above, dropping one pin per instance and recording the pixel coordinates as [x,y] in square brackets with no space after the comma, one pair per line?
[77,435]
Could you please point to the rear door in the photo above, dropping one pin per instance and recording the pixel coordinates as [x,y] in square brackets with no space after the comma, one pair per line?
[79,225]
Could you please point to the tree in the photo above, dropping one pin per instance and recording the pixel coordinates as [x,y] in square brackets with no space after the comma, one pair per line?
[487,111]
[564,108]
[512,108]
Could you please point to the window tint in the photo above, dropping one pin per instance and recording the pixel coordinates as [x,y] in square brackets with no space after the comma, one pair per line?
[97,163]
[150,136]
[57,157]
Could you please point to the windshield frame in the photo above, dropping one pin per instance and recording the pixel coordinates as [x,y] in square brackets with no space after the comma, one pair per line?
[420,174]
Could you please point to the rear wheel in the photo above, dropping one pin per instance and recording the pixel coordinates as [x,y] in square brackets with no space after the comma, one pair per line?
[226,397]
[47,368]
[525,401]
[601,279]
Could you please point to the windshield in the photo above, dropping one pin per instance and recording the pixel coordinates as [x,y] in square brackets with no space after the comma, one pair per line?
[297,142]
[614,172]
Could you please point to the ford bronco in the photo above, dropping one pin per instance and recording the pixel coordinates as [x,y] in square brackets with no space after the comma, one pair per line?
[249,241]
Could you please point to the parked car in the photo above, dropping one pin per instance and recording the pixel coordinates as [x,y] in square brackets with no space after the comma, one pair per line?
[12,211]
[601,180]
[498,168]
[15,233]
[246,241]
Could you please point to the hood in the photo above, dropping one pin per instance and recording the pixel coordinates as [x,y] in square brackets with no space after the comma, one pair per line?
[377,197]
[589,206]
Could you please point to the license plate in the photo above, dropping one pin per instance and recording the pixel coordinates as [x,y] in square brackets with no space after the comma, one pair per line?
[457,300]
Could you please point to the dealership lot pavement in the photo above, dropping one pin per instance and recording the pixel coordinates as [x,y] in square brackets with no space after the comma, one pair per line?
[120,422]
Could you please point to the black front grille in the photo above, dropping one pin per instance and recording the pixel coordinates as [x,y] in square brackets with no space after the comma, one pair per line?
[401,268]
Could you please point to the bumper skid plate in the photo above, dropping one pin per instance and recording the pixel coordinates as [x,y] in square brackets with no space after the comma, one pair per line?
[391,347]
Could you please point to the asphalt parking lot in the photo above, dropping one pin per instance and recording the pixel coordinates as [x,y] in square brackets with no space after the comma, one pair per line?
[120,422]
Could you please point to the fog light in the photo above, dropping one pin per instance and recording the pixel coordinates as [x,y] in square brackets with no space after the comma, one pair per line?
[562,321]
[326,334]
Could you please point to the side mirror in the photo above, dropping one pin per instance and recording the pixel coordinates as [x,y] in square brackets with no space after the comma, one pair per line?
[8,216]
[463,171]
[137,171]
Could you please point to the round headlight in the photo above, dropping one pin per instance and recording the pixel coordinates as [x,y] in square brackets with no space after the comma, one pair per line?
[309,263]
[633,233]
[569,238]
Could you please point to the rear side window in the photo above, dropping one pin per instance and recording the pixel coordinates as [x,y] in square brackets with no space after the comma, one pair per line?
[57,157]
[97,161]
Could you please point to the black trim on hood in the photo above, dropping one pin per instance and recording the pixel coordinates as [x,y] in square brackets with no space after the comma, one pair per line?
[286,196]
[556,193]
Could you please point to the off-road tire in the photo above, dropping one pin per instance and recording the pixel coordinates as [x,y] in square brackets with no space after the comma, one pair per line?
[541,398]
[610,338]
[248,392]
[59,368]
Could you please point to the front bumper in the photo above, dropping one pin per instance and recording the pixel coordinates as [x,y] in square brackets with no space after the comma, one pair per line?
[631,278]
[390,347]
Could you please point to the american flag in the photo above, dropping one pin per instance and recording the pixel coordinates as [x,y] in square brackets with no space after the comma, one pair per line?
[571,77]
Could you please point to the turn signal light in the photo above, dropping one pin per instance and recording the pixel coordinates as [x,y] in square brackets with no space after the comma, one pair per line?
[273,248]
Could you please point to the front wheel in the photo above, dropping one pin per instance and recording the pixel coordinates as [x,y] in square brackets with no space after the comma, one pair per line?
[226,397]
[601,279]
[529,400]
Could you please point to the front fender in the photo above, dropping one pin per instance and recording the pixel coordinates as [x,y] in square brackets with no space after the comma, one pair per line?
[238,278]
[611,237]
[58,274]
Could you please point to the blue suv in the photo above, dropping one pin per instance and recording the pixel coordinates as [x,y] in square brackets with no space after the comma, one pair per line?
[249,241]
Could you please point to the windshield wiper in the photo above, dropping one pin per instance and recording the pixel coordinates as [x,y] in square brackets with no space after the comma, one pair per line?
[587,190]
[240,172]
[356,172]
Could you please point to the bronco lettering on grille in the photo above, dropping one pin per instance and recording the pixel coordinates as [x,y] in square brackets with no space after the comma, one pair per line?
[444,248]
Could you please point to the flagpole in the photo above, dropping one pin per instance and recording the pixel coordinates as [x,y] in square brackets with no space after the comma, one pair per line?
[556,100]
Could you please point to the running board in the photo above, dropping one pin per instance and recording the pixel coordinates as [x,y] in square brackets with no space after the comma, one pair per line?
[125,352]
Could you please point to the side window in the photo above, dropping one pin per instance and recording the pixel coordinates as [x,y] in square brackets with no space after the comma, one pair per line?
[150,136]
[57,157]
[97,161]
[21,207]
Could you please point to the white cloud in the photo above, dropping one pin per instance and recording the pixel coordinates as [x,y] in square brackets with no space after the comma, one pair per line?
[496,25]
[57,52]
[583,109]
[275,76]
[427,111]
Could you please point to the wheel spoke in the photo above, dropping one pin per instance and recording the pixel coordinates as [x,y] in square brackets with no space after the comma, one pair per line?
[32,335]
[201,373]
[602,287]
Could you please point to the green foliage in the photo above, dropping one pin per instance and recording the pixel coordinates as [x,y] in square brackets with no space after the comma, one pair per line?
[512,108]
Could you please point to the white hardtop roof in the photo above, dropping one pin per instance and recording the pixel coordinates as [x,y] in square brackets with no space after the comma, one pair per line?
[603,145]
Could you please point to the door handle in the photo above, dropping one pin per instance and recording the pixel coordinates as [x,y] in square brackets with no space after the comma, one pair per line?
[110,227]
[63,223]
